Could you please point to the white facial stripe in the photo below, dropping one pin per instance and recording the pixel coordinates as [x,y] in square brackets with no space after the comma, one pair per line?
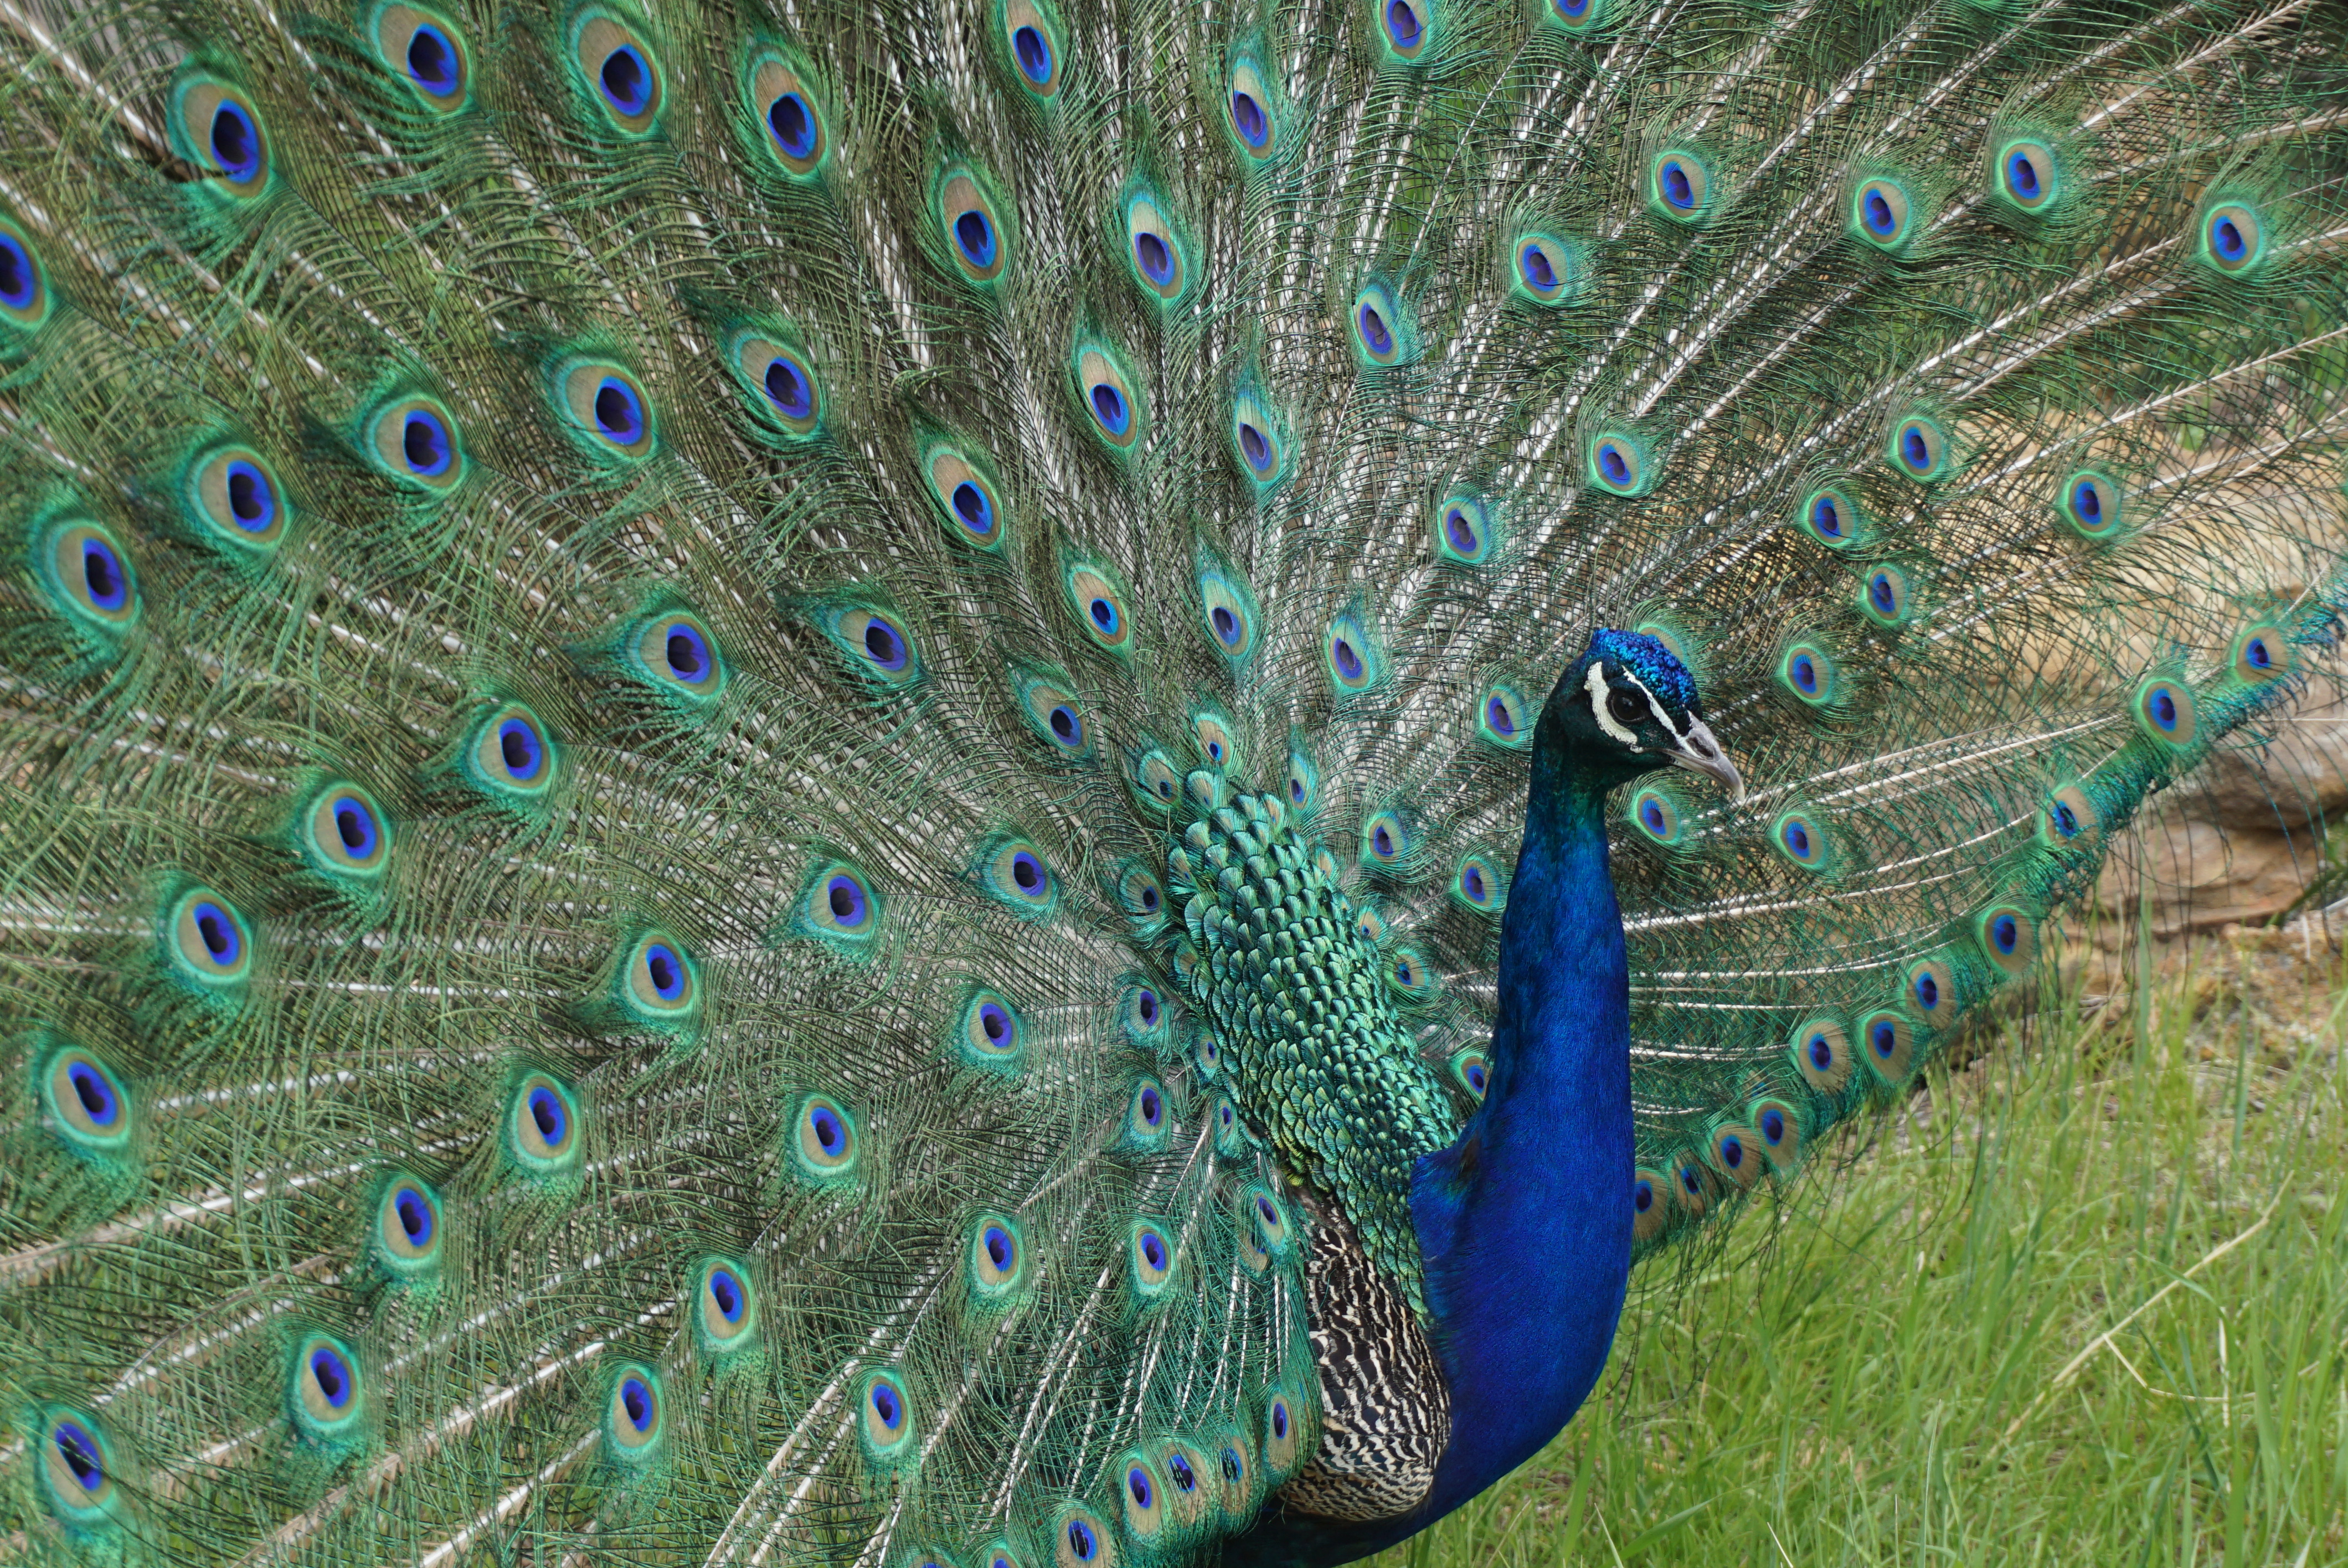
[1596,684]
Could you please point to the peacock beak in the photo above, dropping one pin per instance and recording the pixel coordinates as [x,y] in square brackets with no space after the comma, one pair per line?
[1699,753]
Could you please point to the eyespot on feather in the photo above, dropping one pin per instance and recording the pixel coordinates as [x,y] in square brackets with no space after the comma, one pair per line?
[841,906]
[1779,1126]
[1212,732]
[1102,609]
[2091,504]
[325,1392]
[1149,1117]
[1680,186]
[1655,811]
[2070,819]
[1830,516]
[824,1141]
[1798,837]
[789,112]
[888,1428]
[341,832]
[973,225]
[1014,872]
[414,440]
[969,501]
[1883,597]
[1111,400]
[410,1230]
[657,984]
[1651,1204]
[1379,331]
[1820,1050]
[25,298]
[1503,717]
[87,1108]
[2025,175]
[1477,883]
[1406,27]
[1881,214]
[1031,36]
[2233,238]
[1810,672]
[1082,1539]
[431,53]
[216,126]
[2008,936]
[995,1260]
[2262,653]
[542,1133]
[1919,449]
[1258,439]
[675,652]
[1889,1046]
[602,405]
[1249,112]
[87,573]
[510,756]
[1154,249]
[635,1414]
[726,1318]
[1150,1257]
[778,385]
[1229,612]
[991,1036]
[232,498]
[1691,1186]
[1930,987]
[2165,710]
[876,642]
[1462,529]
[1736,1152]
[76,1468]
[1618,464]
[206,941]
[1545,269]
[618,71]
[1349,656]
[1471,1070]
[1047,701]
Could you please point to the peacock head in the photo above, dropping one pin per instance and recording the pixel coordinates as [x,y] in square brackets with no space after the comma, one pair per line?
[1627,707]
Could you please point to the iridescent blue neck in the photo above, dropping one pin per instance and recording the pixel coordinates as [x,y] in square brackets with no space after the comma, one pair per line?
[1525,1223]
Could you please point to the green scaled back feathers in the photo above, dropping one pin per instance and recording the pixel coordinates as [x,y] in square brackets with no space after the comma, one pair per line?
[748,751]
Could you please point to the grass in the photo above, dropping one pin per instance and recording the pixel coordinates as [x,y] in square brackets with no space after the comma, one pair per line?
[2083,1303]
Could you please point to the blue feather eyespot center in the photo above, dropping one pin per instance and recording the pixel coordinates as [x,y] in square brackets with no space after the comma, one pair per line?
[831,1135]
[884,645]
[1136,1482]
[1109,407]
[974,235]
[102,575]
[2022,177]
[1349,664]
[1881,220]
[1806,674]
[2256,655]
[1153,1108]
[19,280]
[218,934]
[1402,25]
[1157,261]
[1233,1469]
[415,1215]
[2162,705]
[1462,535]
[636,1400]
[1280,1419]
[1825,515]
[1146,1007]
[1678,189]
[2225,239]
[627,80]
[2006,933]
[787,388]
[792,126]
[1535,264]
[424,442]
[1651,812]
[1225,1115]
[355,825]
[1880,589]
[1927,992]
[1249,119]
[970,505]
[1071,731]
[546,1114]
[97,1096]
[1472,882]
[888,1405]
[688,655]
[1081,1540]
[1913,449]
[1405,973]
[1478,1077]
[431,61]
[1642,1197]
[1376,335]
[1773,1126]
[1798,840]
[1027,872]
[1255,448]
[994,1022]
[2087,503]
[727,1292]
[235,141]
[79,1451]
[619,412]
[1227,630]
[844,897]
[1185,1478]
[1035,55]
[1611,464]
[1153,1252]
[666,970]
[997,1242]
[522,749]
[1885,1038]
[1731,1151]
[1821,1051]
[331,1377]
[1103,615]
[252,499]
[2066,821]
[1296,790]
[1571,10]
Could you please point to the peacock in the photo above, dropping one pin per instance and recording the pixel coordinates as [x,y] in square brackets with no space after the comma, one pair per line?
[1012,783]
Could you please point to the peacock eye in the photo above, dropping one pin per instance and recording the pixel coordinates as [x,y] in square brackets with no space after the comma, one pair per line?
[1628,707]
